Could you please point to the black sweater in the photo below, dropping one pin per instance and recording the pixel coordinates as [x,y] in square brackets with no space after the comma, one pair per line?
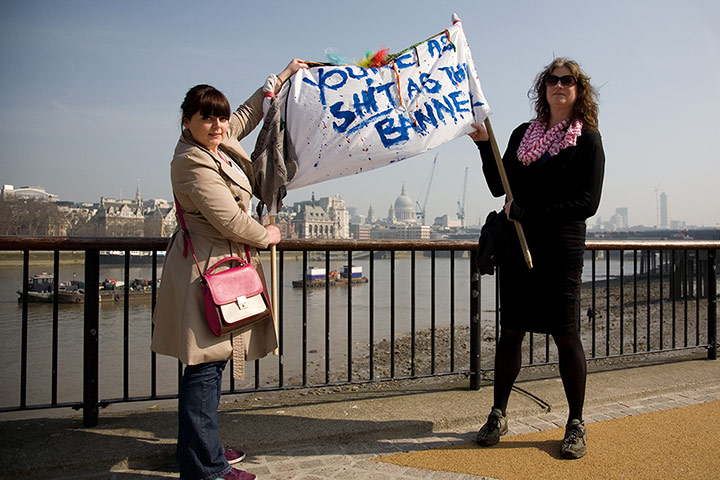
[552,197]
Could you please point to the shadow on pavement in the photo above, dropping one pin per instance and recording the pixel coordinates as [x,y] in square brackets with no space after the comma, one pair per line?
[52,448]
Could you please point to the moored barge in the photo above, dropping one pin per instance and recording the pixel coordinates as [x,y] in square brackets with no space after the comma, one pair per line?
[317,277]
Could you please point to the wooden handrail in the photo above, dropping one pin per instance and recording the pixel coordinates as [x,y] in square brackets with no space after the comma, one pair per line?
[18,243]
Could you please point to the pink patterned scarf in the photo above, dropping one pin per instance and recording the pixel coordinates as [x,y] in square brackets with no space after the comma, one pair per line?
[537,140]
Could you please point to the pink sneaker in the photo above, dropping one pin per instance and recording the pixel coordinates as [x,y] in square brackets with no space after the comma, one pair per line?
[235,474]
[234,456]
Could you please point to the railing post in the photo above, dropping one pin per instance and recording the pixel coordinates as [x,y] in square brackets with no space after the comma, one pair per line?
[90,338]
[24,329]
[712,305]
[475,330]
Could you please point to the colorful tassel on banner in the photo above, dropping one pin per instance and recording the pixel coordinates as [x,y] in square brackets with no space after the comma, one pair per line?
[335,58]
[372,59]
[375,59]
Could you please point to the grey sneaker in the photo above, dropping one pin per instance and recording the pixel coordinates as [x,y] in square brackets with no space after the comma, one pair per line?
[574,444]
[495,426]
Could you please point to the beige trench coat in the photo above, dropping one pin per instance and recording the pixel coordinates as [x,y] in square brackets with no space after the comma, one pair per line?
[215,199]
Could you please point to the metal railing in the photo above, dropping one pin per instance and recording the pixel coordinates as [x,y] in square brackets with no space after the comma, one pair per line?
[424,311]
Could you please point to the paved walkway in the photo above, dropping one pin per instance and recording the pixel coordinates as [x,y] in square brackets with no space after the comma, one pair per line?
[336,436]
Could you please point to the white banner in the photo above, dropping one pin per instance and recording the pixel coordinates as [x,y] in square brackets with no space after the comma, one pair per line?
[345,120]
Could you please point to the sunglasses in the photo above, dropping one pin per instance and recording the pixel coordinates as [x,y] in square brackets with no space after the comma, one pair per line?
[565,80]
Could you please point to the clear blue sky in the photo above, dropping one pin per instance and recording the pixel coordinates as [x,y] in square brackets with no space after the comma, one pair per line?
[90,90]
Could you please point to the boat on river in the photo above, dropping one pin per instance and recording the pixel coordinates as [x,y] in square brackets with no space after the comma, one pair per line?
[317,277]
[41,290]
[117,257]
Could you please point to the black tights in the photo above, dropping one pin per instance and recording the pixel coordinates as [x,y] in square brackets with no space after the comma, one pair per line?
[573,368]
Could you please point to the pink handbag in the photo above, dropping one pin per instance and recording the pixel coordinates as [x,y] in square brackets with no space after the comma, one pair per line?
[234,298]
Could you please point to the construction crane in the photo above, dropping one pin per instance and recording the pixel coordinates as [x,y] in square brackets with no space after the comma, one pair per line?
[461,202]
[421,208]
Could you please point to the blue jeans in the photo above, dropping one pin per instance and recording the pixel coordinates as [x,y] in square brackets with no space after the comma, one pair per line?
[199,451]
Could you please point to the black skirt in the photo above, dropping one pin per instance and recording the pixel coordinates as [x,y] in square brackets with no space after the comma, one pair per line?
[546,298]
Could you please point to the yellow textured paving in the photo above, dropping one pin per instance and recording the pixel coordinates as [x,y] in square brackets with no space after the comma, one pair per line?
[681,443]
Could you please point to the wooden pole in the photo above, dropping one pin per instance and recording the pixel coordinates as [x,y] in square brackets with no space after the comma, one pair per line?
[508,192]
[273,284]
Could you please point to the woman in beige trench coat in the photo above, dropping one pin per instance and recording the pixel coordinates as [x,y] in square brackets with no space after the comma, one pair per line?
[212,180]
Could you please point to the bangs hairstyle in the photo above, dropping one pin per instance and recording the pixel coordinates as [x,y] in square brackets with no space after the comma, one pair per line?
[207,100]
[586,105]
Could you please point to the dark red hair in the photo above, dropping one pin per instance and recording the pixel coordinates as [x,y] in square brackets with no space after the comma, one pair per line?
[207,100]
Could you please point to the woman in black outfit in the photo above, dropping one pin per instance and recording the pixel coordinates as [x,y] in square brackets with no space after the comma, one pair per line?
[555,167]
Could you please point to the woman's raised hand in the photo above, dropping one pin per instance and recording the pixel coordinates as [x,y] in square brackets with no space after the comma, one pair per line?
[480,134]
[292,67]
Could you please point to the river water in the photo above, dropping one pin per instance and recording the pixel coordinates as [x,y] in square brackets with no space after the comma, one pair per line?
[111,333]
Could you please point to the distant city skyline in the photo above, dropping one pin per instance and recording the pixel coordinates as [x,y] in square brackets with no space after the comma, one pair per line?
[619,220]
[91,91]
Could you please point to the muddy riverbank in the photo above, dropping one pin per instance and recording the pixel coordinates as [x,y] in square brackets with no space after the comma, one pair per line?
[645,322]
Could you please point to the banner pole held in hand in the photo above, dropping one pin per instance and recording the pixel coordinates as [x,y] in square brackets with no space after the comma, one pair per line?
[508,192]
[273,284]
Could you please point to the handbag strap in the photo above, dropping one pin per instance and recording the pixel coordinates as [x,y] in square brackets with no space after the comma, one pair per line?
[241,261]
[187,242]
